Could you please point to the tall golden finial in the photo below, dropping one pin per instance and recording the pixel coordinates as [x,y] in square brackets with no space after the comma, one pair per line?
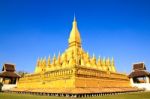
[74,39]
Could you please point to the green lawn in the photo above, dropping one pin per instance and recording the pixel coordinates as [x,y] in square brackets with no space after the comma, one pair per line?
[142,95]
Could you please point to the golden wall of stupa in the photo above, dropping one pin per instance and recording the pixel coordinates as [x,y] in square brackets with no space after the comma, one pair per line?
[74,68]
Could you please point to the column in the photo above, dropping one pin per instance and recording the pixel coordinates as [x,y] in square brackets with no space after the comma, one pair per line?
[1,79]
[131,81]
[17,79]
[147,80]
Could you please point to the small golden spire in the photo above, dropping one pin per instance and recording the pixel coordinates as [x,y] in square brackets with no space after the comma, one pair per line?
[38,62]
[41,62]
[112,59]
[38,66]
[108,61]
[45,58]
[88,63]
[104,62]
[88,55]
[94,56]
[113,65]
[112,62]
[87,58]
[108,64]
[99,57]
[54,57]
[99,61]
[49,61]
[44,61]
[59,59]
[94,60]
[54,60]
[49,57]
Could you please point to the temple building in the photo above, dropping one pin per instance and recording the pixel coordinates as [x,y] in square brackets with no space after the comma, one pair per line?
[8,77]
[140,77]
[74,71]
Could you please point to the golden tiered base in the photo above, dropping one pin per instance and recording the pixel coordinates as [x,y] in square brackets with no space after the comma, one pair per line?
[74,80]
[76,77]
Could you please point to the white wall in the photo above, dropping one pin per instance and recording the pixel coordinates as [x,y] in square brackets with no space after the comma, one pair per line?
[142,85]
[8,86]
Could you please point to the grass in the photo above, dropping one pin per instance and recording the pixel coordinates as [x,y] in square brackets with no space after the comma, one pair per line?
[139,95]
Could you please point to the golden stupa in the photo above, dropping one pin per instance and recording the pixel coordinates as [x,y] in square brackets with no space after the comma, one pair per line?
[74,71]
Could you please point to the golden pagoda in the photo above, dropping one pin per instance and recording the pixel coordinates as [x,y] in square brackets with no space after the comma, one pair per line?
[74,71]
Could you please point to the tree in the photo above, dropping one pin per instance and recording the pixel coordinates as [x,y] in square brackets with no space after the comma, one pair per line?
[22,73]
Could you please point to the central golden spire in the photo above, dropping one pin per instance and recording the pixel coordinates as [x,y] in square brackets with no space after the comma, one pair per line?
[74,39]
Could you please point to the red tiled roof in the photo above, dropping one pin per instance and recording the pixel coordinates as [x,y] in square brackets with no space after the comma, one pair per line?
[139,66]
[8,67]
[139,73]
[9,74]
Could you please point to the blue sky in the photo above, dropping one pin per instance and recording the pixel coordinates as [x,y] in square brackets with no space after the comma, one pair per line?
[110,28]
